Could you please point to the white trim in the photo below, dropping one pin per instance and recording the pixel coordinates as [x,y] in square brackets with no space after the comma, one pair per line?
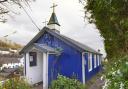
[98,60]
[24,64]
[83,68]
[51,53]
[27,68]
[45,70]
[90,59]
[95,64]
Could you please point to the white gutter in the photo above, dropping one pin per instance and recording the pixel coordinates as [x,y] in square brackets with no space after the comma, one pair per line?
[83,67]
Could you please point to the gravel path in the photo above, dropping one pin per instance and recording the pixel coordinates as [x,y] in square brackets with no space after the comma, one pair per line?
[39,87]
[97,85]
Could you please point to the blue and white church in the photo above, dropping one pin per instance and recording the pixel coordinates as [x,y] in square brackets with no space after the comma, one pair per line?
[50,53]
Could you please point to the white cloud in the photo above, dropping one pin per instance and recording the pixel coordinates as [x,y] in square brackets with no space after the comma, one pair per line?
[70,16]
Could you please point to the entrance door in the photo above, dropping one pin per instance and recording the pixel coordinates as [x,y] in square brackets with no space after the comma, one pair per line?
[52,68]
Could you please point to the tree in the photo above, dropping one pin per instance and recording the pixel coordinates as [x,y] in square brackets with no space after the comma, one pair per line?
[6,10]
[111,18]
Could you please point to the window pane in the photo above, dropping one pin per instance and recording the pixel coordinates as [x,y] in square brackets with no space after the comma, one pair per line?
[94,61]
[33,58]
[89,61]
[98,60]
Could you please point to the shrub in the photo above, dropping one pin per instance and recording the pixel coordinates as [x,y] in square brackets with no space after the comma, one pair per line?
[15,83]
[63,82]
[117,74]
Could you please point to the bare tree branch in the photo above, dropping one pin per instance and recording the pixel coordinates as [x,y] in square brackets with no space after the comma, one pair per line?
[1,1]
[7,10]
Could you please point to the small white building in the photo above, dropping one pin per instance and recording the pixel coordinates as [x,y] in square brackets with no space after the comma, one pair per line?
[10,58]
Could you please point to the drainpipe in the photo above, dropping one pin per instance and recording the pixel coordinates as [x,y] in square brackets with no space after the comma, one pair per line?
[83,66]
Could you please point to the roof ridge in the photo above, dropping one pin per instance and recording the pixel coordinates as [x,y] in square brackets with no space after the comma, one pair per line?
[85,47]
[78,42]
[81,47]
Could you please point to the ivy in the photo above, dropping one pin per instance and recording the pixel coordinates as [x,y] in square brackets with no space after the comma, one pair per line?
[111,18]
[116,75]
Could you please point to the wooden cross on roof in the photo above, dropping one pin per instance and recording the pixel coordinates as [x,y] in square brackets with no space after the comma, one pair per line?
[54,5]
[45,22]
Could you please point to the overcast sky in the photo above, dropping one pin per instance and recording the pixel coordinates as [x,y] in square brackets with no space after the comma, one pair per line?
[70,15]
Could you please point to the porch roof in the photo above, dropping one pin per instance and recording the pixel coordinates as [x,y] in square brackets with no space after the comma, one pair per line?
[45,48]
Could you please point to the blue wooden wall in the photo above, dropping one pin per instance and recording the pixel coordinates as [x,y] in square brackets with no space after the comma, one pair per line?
[90,74]
[53,67]
[69,63]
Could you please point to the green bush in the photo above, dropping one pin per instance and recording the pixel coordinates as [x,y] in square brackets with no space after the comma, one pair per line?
[63,82]
[15,83]
[117,74]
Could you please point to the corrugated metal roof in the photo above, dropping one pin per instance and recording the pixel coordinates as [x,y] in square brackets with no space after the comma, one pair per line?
[72,42]
[9,58]
[53,19]
[85,47]
[81,47]
[45,48]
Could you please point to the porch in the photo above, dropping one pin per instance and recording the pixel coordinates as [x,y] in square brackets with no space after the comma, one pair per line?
[36,69]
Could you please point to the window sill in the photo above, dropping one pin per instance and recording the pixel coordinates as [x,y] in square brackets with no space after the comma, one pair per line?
[95,66]
[90,70]
[32,66]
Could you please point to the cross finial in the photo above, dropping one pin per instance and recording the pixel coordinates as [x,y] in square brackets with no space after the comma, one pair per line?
[54,5]
[45,22]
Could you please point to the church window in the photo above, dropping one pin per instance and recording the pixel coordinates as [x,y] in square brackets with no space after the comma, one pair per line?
[32,58]
[95,61]
[89,61]
[98,59]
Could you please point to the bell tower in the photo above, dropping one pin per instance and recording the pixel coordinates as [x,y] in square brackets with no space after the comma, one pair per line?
[53,22]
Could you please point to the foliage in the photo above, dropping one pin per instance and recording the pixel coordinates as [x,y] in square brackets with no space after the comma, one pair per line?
[63,82]
[15,83]
[117,77]
[21,70]
[111,18]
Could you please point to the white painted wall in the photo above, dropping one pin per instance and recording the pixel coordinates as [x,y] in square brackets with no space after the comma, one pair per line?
[45,71]
[4,52]
[34,74]
[54,26]
[14,65]
[11,65]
